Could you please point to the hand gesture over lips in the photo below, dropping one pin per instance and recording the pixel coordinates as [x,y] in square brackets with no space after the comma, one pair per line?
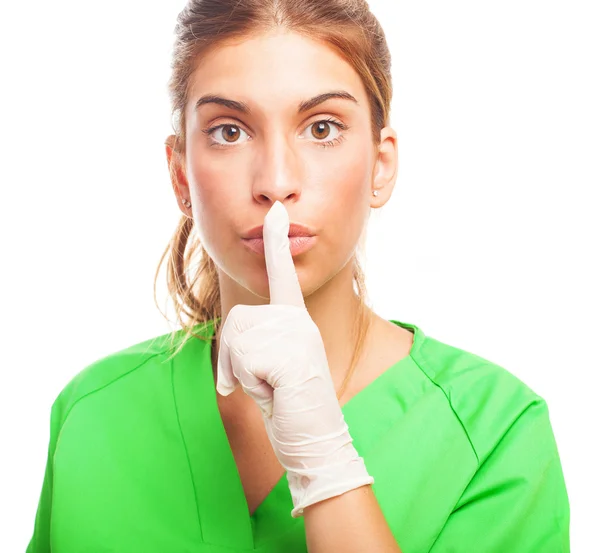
[276,353]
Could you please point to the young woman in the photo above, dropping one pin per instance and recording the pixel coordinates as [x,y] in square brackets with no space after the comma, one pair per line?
[285,415]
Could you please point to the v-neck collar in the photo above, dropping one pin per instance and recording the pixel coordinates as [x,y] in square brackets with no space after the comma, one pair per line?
[223,511]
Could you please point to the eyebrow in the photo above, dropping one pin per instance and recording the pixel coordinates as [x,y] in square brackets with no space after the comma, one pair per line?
[302,107]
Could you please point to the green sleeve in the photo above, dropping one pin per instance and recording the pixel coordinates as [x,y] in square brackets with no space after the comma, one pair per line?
[517,500]
[40,540]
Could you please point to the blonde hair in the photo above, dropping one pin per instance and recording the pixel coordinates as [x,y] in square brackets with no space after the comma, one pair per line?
[347,26]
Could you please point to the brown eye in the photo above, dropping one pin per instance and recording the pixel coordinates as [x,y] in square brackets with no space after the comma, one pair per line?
[321,129]
[227,131]
[230,133]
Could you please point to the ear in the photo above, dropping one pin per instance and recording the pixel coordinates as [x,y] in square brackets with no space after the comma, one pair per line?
[385,169]
[176,165]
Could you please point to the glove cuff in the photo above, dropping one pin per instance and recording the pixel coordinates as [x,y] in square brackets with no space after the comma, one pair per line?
[309,487]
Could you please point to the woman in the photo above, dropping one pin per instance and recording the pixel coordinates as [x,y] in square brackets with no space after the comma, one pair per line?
[285,415]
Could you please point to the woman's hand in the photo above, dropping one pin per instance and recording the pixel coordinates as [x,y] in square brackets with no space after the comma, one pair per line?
[276,353]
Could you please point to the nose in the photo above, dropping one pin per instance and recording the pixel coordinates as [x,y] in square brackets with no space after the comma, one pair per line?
[277,171]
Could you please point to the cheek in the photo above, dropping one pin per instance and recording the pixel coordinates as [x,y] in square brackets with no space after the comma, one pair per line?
[211,180]
[344,183]
[347,166]
[343,186]
[215,190]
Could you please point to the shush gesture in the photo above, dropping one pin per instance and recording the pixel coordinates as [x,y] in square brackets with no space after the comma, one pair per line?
[276,353]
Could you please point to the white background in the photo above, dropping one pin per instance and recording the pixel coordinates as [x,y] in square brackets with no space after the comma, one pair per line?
[490,242]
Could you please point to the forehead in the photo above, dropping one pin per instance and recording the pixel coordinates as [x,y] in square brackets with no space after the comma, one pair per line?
[278,69]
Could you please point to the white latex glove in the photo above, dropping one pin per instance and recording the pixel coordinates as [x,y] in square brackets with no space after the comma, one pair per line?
[276,353]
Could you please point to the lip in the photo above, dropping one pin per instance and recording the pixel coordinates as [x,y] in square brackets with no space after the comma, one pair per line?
[296,229]
[298,244]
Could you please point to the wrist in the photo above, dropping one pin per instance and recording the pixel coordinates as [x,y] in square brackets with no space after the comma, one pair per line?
[311,485]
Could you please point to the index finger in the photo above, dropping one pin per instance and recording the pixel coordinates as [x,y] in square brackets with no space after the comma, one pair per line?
[284,287]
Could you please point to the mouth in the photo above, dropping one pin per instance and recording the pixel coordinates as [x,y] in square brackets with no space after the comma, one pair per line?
[296,230]
[298,244]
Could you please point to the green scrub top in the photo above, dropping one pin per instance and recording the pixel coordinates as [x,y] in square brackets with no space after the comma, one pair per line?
[462,453]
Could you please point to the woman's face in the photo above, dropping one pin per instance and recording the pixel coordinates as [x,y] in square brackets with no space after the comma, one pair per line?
[319,162]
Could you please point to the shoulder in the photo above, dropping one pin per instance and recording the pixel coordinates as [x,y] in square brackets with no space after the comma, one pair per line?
[138,361]
[486,398]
